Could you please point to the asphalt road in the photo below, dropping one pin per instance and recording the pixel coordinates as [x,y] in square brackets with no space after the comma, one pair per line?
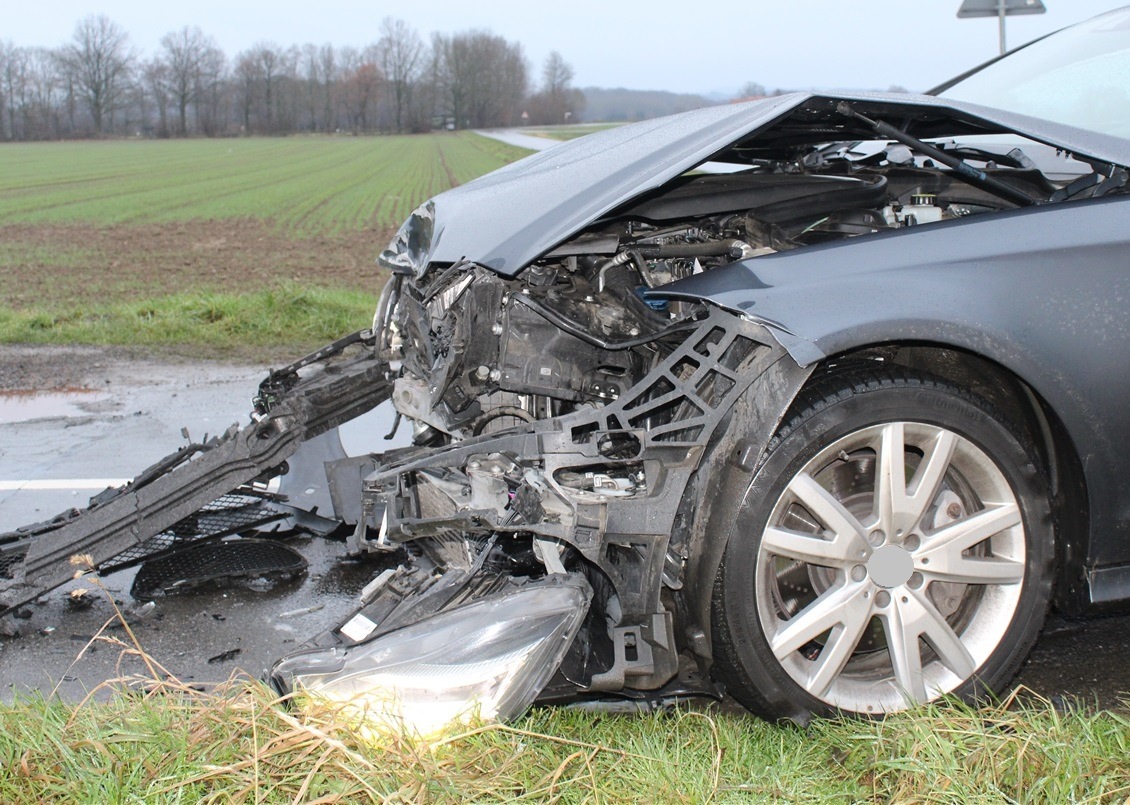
[56,450]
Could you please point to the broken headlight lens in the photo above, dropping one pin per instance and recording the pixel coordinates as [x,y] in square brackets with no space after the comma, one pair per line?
[486,660]
[411,247]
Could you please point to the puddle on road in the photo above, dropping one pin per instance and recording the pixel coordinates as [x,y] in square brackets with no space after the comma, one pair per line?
[24,406]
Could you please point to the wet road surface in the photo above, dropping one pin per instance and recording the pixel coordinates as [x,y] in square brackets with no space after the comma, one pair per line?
[134,416]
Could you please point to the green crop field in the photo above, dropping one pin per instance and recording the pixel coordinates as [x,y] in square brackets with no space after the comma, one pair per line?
[302,185]
[119,242]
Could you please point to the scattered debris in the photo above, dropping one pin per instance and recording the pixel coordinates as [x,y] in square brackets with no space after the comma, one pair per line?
[231,654]
[294,613]
[136,615]
[79,600]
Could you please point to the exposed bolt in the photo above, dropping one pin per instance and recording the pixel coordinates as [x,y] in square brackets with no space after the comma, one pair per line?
[482,373]
[877,537]
[495,375]
[496,328]
[589,298]
[474,465]
[953,510]
[634,331]
[883,598]
[858,573]
[915,581]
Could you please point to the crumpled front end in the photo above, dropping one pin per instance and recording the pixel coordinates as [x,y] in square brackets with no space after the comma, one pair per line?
[544,527]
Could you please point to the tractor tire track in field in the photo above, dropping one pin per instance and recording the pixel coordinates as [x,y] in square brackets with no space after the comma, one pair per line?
[451,177]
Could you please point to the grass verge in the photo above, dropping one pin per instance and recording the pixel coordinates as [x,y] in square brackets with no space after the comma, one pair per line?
[286,318]
[238,744]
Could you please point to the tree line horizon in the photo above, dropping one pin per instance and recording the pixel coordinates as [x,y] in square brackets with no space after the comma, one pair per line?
[97,84]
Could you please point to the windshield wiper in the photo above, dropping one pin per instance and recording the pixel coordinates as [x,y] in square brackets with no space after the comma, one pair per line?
[964,169]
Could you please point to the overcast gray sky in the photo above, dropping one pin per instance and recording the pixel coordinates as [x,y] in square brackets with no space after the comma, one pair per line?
[698,46]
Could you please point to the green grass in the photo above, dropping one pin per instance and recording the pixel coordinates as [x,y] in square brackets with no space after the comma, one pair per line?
[303,317]
[303,185]
[237,745]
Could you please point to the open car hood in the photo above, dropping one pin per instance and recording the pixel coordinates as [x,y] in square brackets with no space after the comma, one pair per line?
[514,215]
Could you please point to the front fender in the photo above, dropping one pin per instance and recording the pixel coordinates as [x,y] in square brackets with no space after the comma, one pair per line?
[1043,292]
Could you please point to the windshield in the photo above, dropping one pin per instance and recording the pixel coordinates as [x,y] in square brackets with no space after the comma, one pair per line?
[1079,76]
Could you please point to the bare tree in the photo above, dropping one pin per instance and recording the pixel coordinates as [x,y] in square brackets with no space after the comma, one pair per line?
[246,85]
[361,82]
[184,54]
[210,91]
[269,60]
[484,77]
[99,60]
[260,74]
[330,91]
[11,81]
[156,78]
[399,49]
[556,75]
[311,86]
[557,101]
[751,89]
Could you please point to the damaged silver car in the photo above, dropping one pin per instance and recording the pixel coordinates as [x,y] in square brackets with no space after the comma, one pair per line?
[818,401]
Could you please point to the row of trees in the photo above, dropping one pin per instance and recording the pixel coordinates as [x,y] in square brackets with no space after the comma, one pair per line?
[98,84]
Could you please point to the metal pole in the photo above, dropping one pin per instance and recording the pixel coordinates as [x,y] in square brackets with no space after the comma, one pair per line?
[1000,16]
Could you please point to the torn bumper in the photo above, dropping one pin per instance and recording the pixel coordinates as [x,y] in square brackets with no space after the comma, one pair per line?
[487,660]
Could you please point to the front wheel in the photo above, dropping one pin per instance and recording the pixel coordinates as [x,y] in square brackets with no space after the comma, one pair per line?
[894,546]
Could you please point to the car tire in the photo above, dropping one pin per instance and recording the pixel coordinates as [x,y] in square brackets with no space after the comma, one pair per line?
[839,593]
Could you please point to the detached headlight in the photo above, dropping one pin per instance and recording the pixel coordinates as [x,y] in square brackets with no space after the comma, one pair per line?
[411,247]
[486,660]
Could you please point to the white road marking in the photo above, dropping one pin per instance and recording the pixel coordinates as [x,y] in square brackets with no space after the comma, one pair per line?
[62,483]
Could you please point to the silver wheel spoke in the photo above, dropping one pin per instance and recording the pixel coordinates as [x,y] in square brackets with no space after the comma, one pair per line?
[904,624]
[975,570]
[927,481]
[842,642]
[838,606]
[840,551]
[944,640]
[942,554]
[899,504]
[890,475]
[906,657]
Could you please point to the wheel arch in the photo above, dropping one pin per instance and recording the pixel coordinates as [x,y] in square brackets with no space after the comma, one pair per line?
[1000,386]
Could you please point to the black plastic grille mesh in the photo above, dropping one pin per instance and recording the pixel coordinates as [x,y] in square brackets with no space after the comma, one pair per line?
[229,514]
[198,564]
[9,561]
